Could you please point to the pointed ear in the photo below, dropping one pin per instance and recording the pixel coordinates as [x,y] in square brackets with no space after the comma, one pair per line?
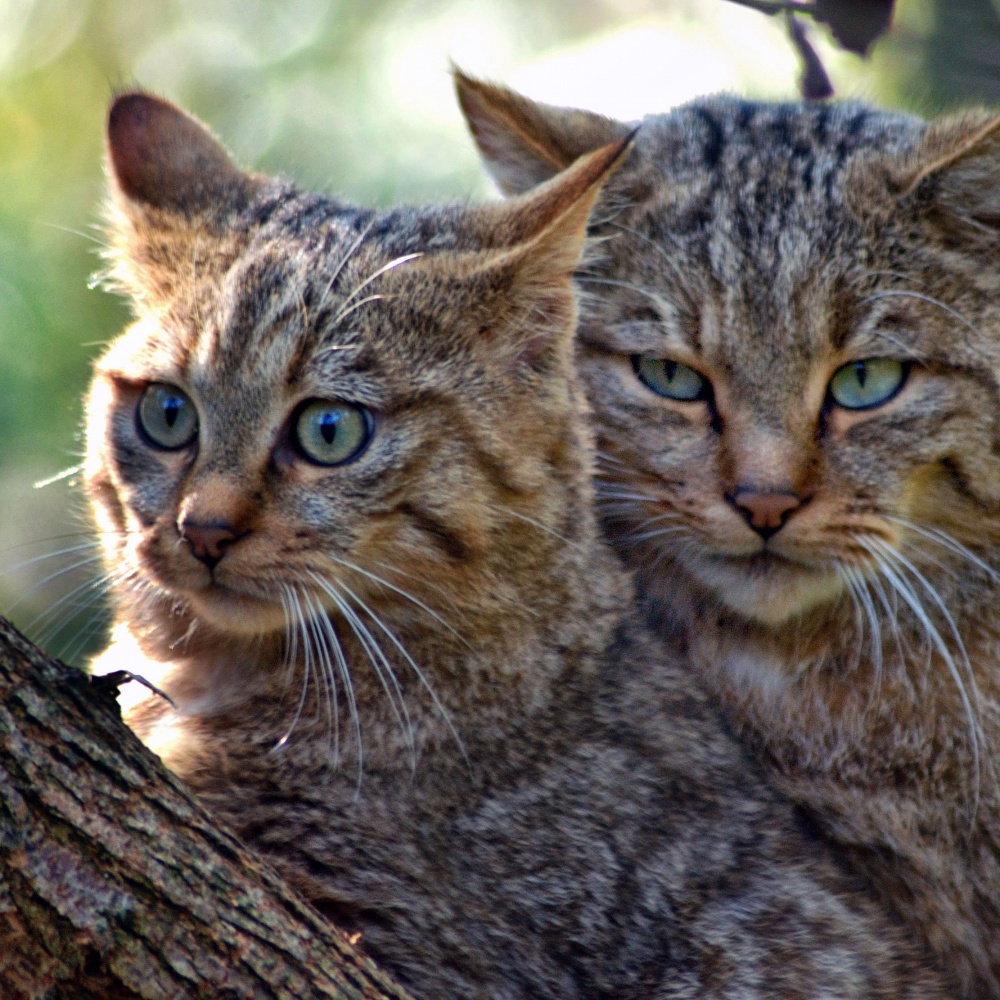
[957,166]
[519,300]
[524,143]
[163,158]
[173,186]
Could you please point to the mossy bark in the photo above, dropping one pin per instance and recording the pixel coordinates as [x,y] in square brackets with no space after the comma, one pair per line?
[115,883]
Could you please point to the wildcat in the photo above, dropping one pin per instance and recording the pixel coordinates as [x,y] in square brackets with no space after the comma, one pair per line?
[339,468]
[791,342]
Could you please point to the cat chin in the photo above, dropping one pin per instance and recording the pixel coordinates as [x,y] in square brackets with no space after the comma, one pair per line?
[232,613]
[770,593]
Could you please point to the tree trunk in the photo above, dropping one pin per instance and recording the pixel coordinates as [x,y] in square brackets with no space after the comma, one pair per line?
[115,883]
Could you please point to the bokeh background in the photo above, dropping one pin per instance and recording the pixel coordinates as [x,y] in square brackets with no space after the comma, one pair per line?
[348,97]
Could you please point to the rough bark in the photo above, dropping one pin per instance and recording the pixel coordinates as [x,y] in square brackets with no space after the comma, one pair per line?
[115,883]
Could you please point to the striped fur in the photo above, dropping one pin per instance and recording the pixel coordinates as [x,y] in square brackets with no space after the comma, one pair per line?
[855,648]
[416,681]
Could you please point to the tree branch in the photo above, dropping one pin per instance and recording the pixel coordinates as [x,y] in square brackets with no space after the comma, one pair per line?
[115,884]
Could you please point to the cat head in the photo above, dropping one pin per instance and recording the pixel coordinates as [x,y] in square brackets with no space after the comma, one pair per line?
[791,338]
[320,406]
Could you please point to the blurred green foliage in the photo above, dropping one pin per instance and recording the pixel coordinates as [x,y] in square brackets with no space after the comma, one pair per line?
[351,97]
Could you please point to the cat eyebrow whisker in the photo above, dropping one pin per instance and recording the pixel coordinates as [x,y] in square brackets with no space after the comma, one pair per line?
[344,313]
[907,294]
[654,297]
[397,262]
[351,250]
[58,477]
[881,273]
[335,349]
[671,260]
[103,244]
[906,349]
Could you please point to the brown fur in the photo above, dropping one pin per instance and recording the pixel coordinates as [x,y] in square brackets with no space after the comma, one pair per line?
[855,642]
[414,680]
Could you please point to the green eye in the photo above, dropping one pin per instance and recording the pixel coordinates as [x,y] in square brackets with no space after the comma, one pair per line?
[670,378]
[167,417]
[861,385]
[331,433]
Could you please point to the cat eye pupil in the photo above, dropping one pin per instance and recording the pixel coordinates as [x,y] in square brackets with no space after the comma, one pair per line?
[328,427]
[167,419]
[671,379]
[868,383]
[330,432]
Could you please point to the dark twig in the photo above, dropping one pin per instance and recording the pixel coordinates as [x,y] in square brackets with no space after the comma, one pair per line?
[855,24]
[778,6]
[814,84]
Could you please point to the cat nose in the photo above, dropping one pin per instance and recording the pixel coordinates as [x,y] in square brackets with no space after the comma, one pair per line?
[766,511]
[208,540]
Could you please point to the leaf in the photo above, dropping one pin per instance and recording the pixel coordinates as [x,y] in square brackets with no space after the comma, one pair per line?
[856,24]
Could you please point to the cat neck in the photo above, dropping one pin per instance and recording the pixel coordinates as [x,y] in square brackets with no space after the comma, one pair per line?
[842,677]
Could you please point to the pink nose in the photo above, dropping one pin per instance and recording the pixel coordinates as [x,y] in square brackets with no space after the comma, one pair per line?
[208,540]
[765,511]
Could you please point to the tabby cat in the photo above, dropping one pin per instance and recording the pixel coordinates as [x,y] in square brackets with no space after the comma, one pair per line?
[791,341]
[340,472]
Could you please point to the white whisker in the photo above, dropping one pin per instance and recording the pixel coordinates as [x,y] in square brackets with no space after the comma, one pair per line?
[342,263]
[390,635]
[65,474]
[890,559]
[298,625]
[398,590]
[907,294]
[946,541]
[376,656]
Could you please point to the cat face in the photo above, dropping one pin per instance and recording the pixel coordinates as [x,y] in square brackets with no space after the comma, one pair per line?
[317,400]
[790,342]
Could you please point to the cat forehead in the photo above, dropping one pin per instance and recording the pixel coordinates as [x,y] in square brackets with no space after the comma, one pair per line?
[755,208]
[762,184]
[808,142]
[297,298]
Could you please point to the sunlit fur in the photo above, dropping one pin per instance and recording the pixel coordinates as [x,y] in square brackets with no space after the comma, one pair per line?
[856,649]
[416,681]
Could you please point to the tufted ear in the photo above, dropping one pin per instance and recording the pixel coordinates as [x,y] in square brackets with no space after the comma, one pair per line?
[524,143]
[957,166]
